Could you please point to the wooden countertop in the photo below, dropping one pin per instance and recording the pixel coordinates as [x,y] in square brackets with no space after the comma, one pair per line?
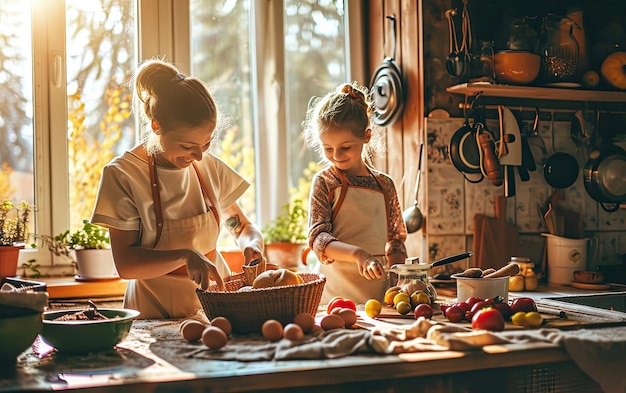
[142,363]
[149,359]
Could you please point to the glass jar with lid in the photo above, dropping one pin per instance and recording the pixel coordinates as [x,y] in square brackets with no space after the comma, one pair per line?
[413,277]
[526,271]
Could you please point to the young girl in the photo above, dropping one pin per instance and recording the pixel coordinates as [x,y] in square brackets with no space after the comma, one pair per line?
[355,221]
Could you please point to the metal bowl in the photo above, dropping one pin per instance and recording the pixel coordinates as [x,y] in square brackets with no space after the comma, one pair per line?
[87,336]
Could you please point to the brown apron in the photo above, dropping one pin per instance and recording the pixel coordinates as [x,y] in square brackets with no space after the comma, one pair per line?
[174,295]
[359,218]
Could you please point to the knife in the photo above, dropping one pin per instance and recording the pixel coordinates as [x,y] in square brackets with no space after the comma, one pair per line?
[511,155]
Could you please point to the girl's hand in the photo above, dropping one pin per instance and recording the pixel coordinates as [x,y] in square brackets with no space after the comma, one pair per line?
[201,270]
[371,268]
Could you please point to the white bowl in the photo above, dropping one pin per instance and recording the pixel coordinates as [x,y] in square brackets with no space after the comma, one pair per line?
[483,288]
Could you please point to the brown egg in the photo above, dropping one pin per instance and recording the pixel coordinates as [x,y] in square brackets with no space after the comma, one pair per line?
[332,321]
[222,323]
[305,320]
[214,337]
[272,330]
[293,332]
[348,315]
[191,330]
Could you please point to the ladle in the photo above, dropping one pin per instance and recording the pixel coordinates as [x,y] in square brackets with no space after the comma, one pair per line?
[455,63]
[413,217]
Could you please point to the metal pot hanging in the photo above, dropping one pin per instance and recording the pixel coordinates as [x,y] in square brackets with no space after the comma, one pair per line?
[605,176]
[387,87]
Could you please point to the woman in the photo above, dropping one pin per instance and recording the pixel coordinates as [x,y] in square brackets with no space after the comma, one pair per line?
[164,200]
[355,220]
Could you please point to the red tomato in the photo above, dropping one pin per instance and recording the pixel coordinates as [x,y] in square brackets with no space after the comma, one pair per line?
[423,310]
[504,309]
[473,300]
[455,314]
[463,306]
[525,304]
[339,302]
[476,307]
[443,308]
[331,303]
[488,319]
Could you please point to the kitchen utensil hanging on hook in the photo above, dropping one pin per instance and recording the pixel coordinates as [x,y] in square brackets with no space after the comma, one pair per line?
[458,61]
[560,169]
[413,217]
[387,86]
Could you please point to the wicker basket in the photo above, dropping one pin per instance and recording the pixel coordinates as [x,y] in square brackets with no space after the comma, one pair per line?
[247,310]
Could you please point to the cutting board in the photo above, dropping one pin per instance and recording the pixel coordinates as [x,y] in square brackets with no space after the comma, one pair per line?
[496,240]
[390,319]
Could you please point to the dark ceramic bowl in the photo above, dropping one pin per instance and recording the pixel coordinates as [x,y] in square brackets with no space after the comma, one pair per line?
[87,336]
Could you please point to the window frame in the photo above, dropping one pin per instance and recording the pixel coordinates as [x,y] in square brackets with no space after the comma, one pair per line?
[163,30]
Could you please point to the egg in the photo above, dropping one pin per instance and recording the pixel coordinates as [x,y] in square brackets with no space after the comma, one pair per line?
[305,320]
[214,337]
[348,315]
[272,330]
[191,330]
[222,323]
[293,332]
[332,321]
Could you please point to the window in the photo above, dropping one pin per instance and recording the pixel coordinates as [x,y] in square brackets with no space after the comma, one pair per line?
[67,113]
[264,60]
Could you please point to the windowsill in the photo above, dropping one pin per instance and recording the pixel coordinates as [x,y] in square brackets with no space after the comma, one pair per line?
[70,288]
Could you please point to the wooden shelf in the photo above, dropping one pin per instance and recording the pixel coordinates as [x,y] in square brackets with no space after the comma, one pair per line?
[68,288]
[539,93]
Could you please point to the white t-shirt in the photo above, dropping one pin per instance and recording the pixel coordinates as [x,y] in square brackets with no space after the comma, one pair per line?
[125,199]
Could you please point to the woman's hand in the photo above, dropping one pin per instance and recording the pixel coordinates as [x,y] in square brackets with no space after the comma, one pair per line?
[201,270]
[251,253]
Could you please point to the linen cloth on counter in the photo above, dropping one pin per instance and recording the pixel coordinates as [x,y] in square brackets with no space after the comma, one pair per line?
[598,352]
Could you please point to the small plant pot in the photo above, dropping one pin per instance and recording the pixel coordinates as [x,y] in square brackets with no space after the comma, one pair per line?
[8,260]
[96,264]
[286,255]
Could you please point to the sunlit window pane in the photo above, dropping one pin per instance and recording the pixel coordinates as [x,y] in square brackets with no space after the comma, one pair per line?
[16,102]
[315,62]
[220,56]
[101,42]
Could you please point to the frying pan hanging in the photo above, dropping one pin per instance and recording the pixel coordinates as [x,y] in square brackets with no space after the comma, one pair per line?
[605,176]
[387,87]
[464,152]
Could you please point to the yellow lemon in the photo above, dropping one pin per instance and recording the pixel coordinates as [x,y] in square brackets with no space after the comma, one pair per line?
[373,308]
[401,297]
[533,319]
[519,318]
[403,307]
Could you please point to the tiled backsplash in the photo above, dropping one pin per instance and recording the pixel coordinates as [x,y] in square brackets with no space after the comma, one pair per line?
[453,201]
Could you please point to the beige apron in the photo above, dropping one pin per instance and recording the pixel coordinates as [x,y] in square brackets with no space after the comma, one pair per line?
[174,295]
[359,218]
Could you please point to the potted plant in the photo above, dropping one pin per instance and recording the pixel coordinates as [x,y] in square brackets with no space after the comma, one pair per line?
[13,233]
[285,237]
[92,249]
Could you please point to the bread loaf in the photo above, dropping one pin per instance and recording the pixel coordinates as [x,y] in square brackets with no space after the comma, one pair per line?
[277,278]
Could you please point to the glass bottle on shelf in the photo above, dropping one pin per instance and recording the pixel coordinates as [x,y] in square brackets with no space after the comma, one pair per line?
[487,61]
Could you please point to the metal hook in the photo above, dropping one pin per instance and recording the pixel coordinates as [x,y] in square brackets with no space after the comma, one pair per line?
[392,18]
